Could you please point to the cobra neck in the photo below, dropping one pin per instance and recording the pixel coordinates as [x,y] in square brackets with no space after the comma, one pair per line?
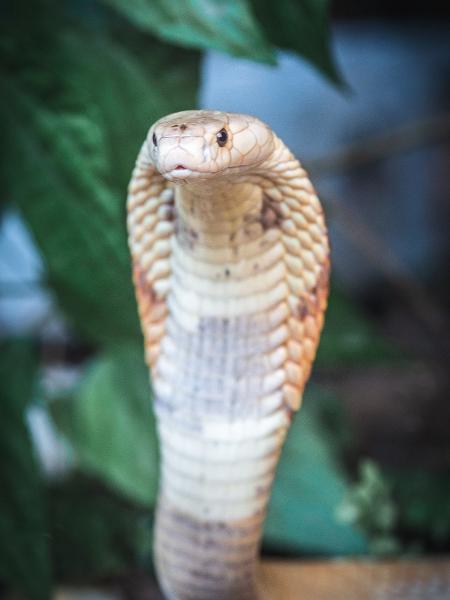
[210,202]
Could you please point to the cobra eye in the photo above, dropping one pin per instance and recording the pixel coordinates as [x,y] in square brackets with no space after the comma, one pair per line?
[154,140]
[222,137]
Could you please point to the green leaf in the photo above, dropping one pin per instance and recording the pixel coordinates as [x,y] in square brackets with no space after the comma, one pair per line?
[72,130]
[24,556]
[94,533]
[110,423]
[225,25]
[309,485]
[301,26]
[348,337]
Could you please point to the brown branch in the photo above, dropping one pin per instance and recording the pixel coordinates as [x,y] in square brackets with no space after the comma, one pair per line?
[388,264]
[432,130]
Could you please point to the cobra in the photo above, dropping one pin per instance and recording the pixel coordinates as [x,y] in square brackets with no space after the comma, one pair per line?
[231,265]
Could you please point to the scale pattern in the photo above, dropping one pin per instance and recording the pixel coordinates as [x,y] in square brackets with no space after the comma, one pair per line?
[232,286]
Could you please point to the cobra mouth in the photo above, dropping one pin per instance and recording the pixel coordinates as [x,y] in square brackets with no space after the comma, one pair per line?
[180,172]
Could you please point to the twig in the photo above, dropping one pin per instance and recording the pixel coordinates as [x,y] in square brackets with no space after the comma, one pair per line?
[432,130]
[386,262]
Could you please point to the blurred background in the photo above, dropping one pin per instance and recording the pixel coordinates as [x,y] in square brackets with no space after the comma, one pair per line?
[360,91]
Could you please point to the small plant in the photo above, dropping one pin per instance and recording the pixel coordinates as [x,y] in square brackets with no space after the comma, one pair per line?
[368,505]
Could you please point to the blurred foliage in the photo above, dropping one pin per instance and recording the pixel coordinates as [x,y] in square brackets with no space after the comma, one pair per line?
[75,128]
[81,83]
[109,423]
[95,533]
[24,552]
[400,511]
[228,25]
[423,507]
[348,338]
[369,505]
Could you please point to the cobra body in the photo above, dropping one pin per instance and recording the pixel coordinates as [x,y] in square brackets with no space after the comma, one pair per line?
[230,262]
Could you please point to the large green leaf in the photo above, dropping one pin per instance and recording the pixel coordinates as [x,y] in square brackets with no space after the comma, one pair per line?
[309,486]
[24,556]
[226,25]
[301,26]
[72,130]
[110,423]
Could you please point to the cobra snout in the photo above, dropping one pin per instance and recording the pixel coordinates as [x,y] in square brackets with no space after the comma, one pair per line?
[178,156]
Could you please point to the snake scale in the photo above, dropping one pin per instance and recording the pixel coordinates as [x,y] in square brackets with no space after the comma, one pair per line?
[231,266]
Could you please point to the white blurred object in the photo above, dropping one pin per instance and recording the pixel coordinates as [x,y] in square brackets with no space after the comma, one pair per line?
[53,450]
[54,454]
[24,303]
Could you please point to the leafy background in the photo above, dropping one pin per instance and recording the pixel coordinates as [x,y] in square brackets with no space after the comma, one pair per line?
[81,82]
